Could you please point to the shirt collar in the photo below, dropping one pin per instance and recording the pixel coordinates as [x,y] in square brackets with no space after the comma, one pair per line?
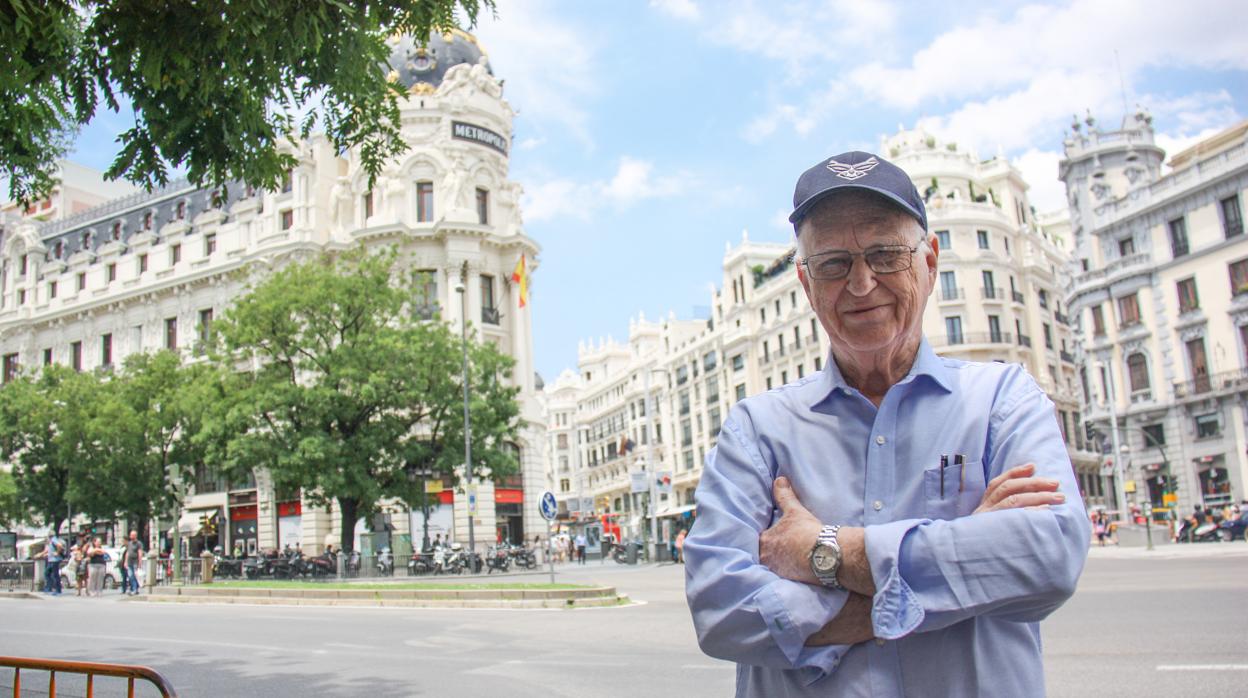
[926,363]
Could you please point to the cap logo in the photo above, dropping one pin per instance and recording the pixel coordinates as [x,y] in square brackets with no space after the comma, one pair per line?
[852,172]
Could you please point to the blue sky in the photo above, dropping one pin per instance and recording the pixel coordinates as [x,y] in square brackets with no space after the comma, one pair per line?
[651,133]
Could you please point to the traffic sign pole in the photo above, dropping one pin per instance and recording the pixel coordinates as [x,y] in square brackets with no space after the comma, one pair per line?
[549,508]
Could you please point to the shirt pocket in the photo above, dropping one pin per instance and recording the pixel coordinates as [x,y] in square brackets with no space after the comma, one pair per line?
[960,494]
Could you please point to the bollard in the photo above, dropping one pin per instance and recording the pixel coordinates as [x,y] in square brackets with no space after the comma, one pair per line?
[153,560]
[38,575]
[206,560]
[340,561]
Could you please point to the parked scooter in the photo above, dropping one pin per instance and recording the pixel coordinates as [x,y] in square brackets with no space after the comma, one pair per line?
[497,558]
[420,564]
[226,567]
[523,557]
[385,563]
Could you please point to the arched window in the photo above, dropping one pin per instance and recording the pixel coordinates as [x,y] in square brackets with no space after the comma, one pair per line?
[1137,369]
[424,202]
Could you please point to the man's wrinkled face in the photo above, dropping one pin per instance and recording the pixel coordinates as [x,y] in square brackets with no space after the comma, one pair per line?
[866,311]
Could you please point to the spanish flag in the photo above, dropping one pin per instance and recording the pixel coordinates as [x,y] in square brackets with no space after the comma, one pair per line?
[521,276]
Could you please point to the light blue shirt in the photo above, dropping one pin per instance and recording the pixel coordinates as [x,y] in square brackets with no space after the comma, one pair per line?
[959,597]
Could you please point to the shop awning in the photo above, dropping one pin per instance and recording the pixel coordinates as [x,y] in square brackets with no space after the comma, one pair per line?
[676,511]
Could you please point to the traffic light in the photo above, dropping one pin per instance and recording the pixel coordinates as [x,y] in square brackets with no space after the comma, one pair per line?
[1089,432]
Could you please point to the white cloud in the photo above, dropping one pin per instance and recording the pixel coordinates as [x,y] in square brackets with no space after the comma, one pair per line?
[680,9]
[548,64]
[634,181]
[1039,170]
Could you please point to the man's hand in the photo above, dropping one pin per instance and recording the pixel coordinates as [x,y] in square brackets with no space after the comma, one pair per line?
[785,547]
[851,626]
[1017,489]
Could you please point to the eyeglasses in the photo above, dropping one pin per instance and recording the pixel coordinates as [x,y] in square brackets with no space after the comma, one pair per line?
[886,259]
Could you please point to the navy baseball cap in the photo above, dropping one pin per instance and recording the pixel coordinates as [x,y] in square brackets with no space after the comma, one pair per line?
[856,170]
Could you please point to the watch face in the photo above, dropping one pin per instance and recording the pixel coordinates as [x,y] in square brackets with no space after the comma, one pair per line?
[824,559]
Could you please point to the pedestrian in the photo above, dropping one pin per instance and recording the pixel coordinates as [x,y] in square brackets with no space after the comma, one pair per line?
[97,561]
[53,553]
[571,548]
[580,548]
[78,566]
[680,546]
[1100,526]
[132,557]
[967,538]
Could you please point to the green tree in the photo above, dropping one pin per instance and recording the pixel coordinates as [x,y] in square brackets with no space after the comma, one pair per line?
[45,437]
[350,392]
[11,510]
[214,86]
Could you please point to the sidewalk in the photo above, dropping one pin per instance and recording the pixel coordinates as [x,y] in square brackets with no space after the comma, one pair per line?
[1169,551]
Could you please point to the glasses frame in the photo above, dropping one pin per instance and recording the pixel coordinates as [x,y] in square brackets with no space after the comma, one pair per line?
[854,255]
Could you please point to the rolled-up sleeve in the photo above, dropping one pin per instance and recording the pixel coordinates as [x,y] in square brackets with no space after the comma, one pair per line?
[1018,564]
[742,611]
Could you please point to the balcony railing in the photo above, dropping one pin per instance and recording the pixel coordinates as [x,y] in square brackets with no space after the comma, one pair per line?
[425,312]
[1019,297]
[1061,317]
[1228,380]
[974,338]
[490,316]
[952,294]
[1024,340]
[1067,356]
[991,293]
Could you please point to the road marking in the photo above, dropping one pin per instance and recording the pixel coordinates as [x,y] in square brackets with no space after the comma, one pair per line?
[160,640]
[1202,667]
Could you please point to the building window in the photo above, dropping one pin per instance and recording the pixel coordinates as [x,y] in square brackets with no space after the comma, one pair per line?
[75,356]
[739,391]
[111,273]
[175,255]
[147,220]
[942,239]
[21,296]
[424,202]
[47,356]
[818,364]
[1198,361]
[1137,371]
[561,441]
[288,219]
[1188,301]
[171,333]
[769,382]
[117,230]
[1126,246]
[210,245]
[205,325]
[52,290]
[1098,321]
[106,350]
[801,371]
[142,263]
[179,211]
[1048,336]
[738,362]
[1207,426]
[982,237]
[1232,217]
[990,289]
[948,285]
[483,206]
[1178,237]
[1239,276]
[489,313]
[994,329]
[10,367]
[1154,435]
[1043,295]
[953,330]
[368,204]
[288,182]
[1128,311]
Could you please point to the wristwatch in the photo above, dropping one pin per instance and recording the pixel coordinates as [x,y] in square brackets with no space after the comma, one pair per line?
[825,558]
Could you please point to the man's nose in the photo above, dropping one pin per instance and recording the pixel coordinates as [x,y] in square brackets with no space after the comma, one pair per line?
[861,279]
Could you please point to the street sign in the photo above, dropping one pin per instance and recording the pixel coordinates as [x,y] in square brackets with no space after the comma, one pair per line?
[549,507]
[472,499]
[638,482]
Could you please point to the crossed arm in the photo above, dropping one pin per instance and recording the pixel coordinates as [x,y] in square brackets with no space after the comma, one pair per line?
[785,547]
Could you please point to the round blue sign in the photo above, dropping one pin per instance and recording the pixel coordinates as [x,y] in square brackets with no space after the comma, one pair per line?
[548,506]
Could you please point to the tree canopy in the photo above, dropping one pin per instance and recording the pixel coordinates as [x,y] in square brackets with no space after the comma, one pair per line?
[213,86]
[350,392]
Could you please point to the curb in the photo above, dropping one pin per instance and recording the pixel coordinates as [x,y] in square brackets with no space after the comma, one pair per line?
[593,597]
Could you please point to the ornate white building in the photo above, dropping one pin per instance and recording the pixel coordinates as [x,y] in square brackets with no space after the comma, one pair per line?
[1160,288]
[999,298]
[151,271]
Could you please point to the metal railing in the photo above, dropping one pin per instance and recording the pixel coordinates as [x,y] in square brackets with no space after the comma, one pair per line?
[952,294]
[490,316]
[990,293]
[191,571]
[90,670]
[1067,356]
[20,575]
[975,338]
[1228,380]
[1019,297]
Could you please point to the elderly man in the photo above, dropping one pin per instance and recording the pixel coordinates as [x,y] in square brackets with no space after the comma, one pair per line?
[899,523]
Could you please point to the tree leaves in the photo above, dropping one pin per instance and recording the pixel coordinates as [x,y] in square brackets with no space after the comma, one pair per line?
[215,86]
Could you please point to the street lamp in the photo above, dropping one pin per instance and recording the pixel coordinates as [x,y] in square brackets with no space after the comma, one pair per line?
[462,289]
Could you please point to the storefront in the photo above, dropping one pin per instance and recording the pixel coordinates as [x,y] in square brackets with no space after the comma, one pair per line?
[289,524]
[1215,480]
[509,515]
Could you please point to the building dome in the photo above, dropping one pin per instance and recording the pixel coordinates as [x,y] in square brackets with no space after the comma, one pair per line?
[413,65]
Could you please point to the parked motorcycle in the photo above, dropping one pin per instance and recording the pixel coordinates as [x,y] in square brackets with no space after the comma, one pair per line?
[420,565]
[1234,528]
[385,563]
[523,557]
[226,567]
[497,558]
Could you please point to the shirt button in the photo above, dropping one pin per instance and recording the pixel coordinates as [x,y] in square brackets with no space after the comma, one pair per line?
[879,642]
[880,439]
[877,505]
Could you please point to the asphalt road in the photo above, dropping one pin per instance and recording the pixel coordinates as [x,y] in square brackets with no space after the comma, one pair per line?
[1158,626]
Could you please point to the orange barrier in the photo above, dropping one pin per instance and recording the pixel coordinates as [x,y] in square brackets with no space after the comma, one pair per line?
[89,669]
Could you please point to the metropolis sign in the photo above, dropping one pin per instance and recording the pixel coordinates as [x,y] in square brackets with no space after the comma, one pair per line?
[479,135]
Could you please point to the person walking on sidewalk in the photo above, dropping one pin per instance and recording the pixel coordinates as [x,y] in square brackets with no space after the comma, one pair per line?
[96,560]
[53,552]
[680,546]
[79,562]
[580,548]
[131,558]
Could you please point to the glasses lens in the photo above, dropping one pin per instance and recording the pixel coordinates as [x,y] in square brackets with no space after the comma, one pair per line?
[889,260]
[830,267]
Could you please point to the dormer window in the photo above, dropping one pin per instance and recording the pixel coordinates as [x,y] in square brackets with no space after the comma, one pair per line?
[180,211]
[147,220]
[86,240]
[117,230]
